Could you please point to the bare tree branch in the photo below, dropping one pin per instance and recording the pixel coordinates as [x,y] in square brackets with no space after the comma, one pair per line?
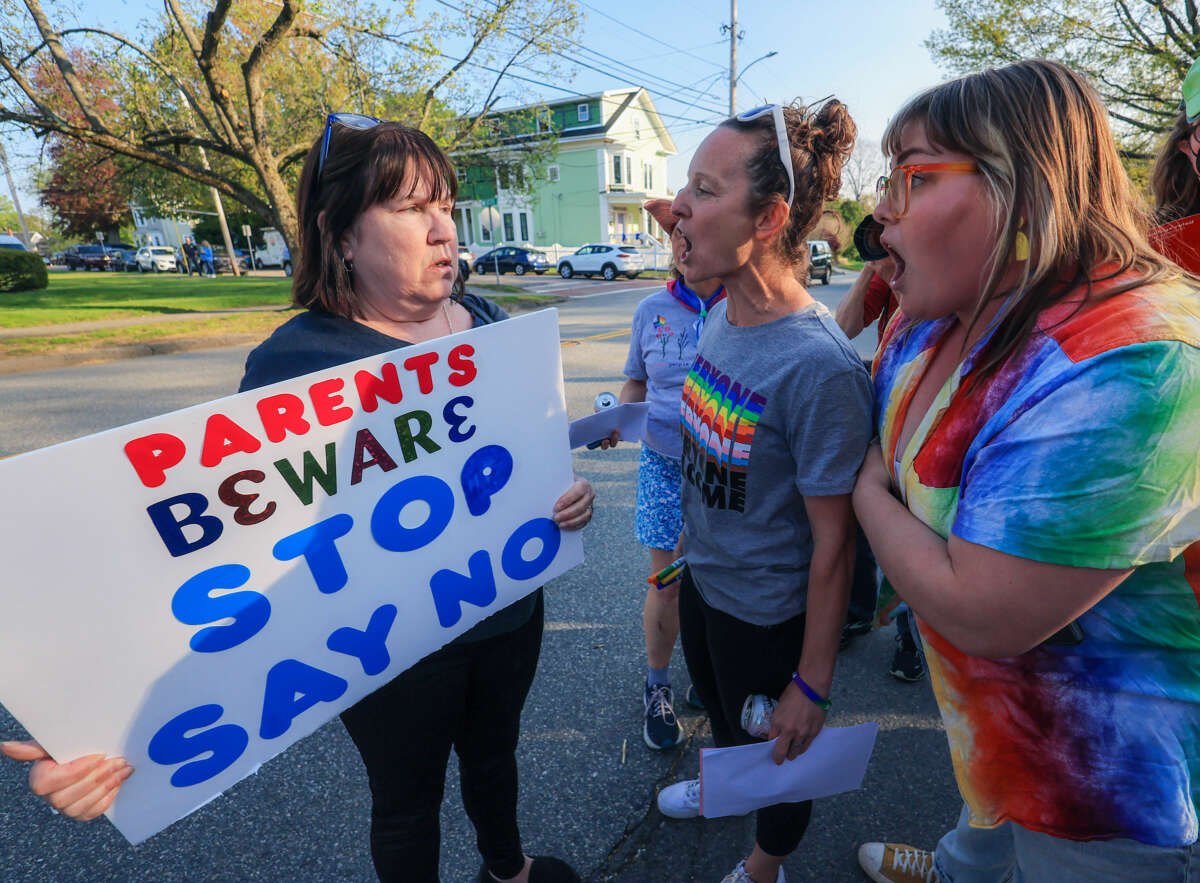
[63,63]
[252,73]
[183,88]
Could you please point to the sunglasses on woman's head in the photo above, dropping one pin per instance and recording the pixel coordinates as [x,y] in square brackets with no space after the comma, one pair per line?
[350,121]
[785,147]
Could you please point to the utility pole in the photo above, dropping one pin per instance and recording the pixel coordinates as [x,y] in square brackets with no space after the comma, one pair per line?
[16,202]
[734,36]
[216,195]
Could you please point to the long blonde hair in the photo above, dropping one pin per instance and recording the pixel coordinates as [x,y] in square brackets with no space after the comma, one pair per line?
[1039,132]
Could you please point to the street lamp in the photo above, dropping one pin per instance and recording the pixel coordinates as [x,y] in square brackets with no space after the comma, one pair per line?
[733,97]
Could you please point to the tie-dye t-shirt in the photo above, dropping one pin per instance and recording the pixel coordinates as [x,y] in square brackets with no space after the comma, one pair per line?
[1083,450]
[770,414]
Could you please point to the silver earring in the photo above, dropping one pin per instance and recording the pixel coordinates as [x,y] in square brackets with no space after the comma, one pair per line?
[348,264]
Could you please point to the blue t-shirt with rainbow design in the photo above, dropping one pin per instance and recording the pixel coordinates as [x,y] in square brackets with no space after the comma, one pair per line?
[1082,450]
[770,414]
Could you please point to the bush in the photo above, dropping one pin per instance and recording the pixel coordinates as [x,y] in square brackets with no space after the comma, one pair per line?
[21,270]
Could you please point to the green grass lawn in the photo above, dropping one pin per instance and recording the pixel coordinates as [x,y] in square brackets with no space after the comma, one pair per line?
[85,296]
[82,297]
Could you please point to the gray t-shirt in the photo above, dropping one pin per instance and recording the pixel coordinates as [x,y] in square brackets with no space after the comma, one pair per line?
[770,414]
[661,351]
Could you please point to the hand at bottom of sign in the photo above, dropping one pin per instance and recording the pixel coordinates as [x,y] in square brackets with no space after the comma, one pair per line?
[82,789]
[574,508]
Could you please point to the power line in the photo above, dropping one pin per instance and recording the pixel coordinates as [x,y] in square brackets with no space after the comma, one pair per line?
[657,40]
[606,72]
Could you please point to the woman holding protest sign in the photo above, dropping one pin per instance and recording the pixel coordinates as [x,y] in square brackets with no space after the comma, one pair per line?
[775,419]
[1036,494]
[377,272]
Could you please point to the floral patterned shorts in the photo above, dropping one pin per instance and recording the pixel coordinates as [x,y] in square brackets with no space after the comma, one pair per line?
[659,519]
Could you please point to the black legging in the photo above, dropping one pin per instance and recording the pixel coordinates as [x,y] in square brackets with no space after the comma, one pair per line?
[466,695]
[729,659]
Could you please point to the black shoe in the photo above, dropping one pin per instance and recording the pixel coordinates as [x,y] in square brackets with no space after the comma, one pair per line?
[906,663]
[692,698]
[661,729]
[543,869]
[852,629]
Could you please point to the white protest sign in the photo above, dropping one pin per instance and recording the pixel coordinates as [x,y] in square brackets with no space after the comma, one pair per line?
[198,591]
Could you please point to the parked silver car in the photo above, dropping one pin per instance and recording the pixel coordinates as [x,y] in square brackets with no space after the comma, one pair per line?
[155,259]
[609,261]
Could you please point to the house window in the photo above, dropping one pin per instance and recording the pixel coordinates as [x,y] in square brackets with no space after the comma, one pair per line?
[508,227]
[617,169]
[502,177]
[485,229]
[637,130]
[553,171]
[524,227]
[584,113]
[469,232]
[628,169]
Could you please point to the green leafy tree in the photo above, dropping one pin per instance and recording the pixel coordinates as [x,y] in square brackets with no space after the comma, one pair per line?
[1136,52]
[251,86]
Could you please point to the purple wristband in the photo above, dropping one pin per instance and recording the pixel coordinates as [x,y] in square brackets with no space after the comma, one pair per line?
[823,704]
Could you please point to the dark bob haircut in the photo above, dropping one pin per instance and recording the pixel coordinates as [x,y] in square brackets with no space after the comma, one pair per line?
[362,167]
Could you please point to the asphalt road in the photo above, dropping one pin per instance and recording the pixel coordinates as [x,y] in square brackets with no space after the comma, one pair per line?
[587,781]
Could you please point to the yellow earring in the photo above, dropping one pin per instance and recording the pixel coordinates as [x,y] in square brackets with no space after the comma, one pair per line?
[1021,243]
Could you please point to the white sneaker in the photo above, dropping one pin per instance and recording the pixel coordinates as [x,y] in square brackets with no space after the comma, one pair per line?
[739,875]
[681,800]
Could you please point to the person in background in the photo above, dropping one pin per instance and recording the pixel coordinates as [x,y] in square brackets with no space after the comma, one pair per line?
[1175,178]
[666,326]
[192,253]
[377,271]
[775,420]
[206,260]
[1035,497]
[871,301]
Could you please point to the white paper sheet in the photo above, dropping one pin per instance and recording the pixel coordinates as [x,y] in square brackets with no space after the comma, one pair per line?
[630,419]
[734,781]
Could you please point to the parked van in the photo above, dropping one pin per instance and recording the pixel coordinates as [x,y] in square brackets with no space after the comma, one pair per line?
[275,253]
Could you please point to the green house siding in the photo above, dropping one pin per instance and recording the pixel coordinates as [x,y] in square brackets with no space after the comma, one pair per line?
[587,202]
[568,211]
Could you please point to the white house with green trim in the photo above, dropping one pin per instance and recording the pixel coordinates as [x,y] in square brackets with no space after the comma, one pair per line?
[611,155]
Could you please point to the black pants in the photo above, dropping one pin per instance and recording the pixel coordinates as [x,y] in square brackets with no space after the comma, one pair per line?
[728,660]
[466,695]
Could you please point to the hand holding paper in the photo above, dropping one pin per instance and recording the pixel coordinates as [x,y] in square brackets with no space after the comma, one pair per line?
[795,723]
[737,780]
[629,419]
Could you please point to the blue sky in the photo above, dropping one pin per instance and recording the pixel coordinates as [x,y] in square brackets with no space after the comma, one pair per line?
[868,53]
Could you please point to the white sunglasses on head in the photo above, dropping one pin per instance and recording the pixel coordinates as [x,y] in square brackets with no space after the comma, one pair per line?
[785,147]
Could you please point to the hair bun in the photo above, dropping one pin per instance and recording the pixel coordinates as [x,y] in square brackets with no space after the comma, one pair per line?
[833,134]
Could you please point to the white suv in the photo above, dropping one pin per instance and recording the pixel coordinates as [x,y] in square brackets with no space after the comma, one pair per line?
[608,261]
[155,259]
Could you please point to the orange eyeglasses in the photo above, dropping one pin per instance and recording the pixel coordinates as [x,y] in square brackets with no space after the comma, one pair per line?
[897,185]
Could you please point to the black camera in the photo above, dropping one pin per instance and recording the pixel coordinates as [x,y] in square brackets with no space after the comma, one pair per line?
[866,239]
